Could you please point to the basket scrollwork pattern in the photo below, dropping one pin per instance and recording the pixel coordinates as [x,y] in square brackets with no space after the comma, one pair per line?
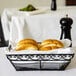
[39,57]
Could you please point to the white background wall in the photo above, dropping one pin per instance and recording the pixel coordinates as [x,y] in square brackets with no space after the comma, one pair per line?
[21,3]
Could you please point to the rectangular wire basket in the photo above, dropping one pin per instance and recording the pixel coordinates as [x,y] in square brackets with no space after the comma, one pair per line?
[22,62]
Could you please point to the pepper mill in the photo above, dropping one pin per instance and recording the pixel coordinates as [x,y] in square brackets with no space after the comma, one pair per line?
[53,5]
[66,23]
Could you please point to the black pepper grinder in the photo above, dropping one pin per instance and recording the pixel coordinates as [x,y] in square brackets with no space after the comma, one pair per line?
[66,23]
[53,5]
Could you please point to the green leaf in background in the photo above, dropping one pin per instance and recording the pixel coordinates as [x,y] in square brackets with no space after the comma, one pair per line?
[28,8]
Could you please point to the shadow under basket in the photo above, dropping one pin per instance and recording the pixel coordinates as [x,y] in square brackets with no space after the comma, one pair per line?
[25,62]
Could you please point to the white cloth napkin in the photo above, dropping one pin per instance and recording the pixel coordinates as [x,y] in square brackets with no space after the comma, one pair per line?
[49,20]
[37,27]
[56,51]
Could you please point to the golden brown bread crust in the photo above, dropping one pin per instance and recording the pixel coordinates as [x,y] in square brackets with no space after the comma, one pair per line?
[46,41]
[52,42]
[30,41]
[26,47]
[45,49]
[46,45]
[55,47]
[27,44]
[49,48]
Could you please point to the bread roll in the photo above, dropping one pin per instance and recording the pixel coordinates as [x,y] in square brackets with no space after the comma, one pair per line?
[26,47]
[51,42]
[30,41]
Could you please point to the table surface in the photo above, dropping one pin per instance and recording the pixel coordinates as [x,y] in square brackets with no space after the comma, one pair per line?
[6,69]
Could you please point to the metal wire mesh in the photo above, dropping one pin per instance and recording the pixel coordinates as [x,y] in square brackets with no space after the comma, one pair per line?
[40,61]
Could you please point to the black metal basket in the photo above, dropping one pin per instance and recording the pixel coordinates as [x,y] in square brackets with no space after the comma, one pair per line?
[26,62]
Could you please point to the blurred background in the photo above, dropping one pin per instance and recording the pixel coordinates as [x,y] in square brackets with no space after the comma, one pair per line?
[21,3]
